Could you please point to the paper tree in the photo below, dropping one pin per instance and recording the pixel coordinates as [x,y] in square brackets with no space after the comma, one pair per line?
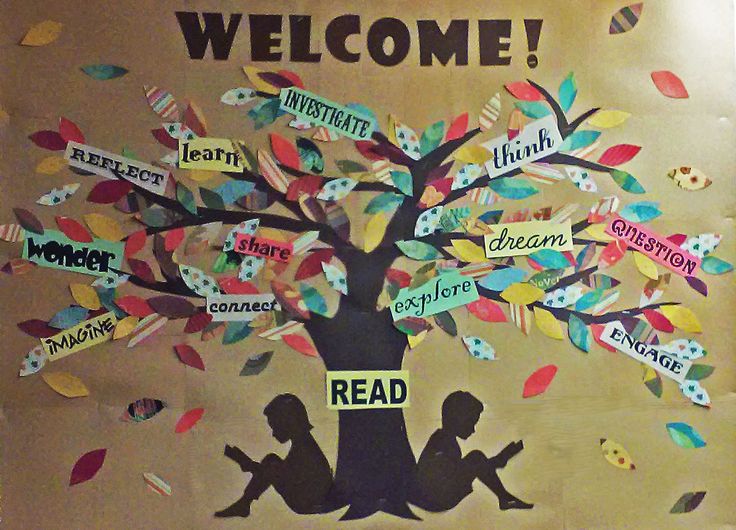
[427,198]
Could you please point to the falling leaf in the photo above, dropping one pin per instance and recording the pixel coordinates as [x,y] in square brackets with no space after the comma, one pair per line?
[42,33]
[51,165]
[73,229]
[479,348]
[28,221]
[490,112]
[688,502]
[689,178]
[87,466]
[625,18]
[157,484]
[124,327]
[616,454]
[33,361]
[446,323]
[685,436]
[669,84]
[652,380]
[172,306]
[65,384]
[189,356]
[538,382]
[300,344]
[548,324]
[146,328]
[103,72]
[256,363]
[188,420]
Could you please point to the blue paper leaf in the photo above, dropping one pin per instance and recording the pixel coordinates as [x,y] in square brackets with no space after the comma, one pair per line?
[714,265]
[403,182]
[568,91]
[510,188]
[579,139]
[550,258]
[578,333]
[314,301]
[236,331]
[626,181]
[499,279]
[232,190]
[103,72]
[533,109]
[640,212]
[588,300]
[385,202]
[685,436]
[68,317]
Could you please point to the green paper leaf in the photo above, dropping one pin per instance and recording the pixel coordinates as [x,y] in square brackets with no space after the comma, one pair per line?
[685,436]
[533,109]
[186,198]
[699,371]
[310,155]
[546,279]
[568,91]
[348,167]
[403,182]
[688,502]
[550,258]
[227,261]
[588,300]
[103,72]
[431,137]
[314,301]
[236,331]
[579,139]
[626,181]
[418,250]
[446,323]
[264,113]
[256,364]
[714,265]
[510,188]
[385,202]
[578,333]
[211,199]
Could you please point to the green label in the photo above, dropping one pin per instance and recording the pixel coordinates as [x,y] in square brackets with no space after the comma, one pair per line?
[53,249]
[320,111]
[444,292]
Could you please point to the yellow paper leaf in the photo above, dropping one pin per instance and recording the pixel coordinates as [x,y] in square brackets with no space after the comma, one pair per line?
[104,227]
[605,119]
[201,175]
[124,327]
[259,84]
[272,233]
[66,384]
[85,295]
[645,265]
[596,231]
[384,300]
[469,251]
[548,324]
[616,454]
[522,293]
[415,340]
[391,133]
[473,154]
[375,229]
[42,33]
[51,165]
[682,318]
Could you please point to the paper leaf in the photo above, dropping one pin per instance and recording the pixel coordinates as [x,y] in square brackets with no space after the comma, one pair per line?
[33,361]
[652,380]
[646,266]
[578,333]
[685,349]
[511,188]
[714,265]
[468,251]
[539,381]
[134,305]
[688,502]
[256,363]
[284,151]
[446,323]
[689,178]
[36,328]
[616,455]
[85,296]
[103,72]
[42,33]
[235,332]
[335,277]
[500,279]
[618,154]
[428,221]
[65,384]
[640,212]
[658,321]
[109,191]
[418,250]
[479,348]
[28,221]
[157,484]
[699,371]
[87,466]
[337,189]
[313,299]
[69,316]
[533,109]
[568,91]
[487,310]
[375,229]
[73,229]
[611,254]
[189,356]
[669,84]
[489,113]
[524,91]
[682,318]
[685,436]
[188,420]
[457,128]
[51,165]
[696,393]
[104,227]
[548,258]
[312,265]
[300,344]
[548,324]
[604,119]
[431,138]
[172,306]
[124,327]
[473,154]
[522,293]
[238,96]
[70,131]
[146,328]
[50,140]
[625,19]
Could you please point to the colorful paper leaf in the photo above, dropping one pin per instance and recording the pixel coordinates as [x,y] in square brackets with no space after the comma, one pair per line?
[539,381]
[103,72]
[669,84]
[66,384]
[578,333]
[87,466]
[188,420]
[685,436]
[688,502]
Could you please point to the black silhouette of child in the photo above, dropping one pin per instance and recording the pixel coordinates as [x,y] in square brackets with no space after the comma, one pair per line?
[303,478]
[444,477]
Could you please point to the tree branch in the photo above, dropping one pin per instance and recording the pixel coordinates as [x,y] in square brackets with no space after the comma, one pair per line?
[561,158]
[580,119]
[361,186]
[559,113]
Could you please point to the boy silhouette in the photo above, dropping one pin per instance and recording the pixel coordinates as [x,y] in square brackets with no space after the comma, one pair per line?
[303,478]
[444,477]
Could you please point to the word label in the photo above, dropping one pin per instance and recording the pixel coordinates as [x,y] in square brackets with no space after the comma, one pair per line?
[214,154]
[659,248]
[240,307]
[110,165]
[54,250]
[444,292]
[615,335]
[82,336]
[369,389]
[520,239]
[338,118]
[260,246]
[540,138]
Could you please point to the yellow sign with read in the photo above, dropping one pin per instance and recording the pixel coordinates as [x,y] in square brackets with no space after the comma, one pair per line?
[88,333]
[213,154]
[368,389]
[520,239]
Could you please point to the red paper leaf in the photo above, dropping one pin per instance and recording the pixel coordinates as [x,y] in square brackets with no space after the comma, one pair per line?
[135,242]
[365,148]
[134,305]
[165,139]
[291,76]
[697,284]
[188,420]
[87,466]
[173,239]
[284,151]
[142,269]
[189,356]
[457,128]
[193,119]
[618,154]
[18,266]
[172,306]
[524,91]
[677,239]
[50,140]
[197,322]
[37,328]
[300,344]
[403,279]
[73,229]
[597,331]
[233,285]
[539,381]
[69,131]
[309,184]
[611,254]
[109,191]
[487,310]
[669,84]
[312,264]
[658,321]
[28,221]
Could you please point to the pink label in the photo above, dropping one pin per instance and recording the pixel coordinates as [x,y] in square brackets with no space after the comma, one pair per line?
[265,248]
[659,248]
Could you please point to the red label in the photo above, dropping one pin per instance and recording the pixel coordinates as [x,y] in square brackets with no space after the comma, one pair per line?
[265,248]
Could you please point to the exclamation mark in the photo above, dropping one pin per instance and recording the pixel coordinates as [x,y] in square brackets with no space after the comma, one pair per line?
[533,30]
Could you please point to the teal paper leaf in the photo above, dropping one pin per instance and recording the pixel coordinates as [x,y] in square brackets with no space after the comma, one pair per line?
[568,91]
[403,182]
[579,139]
[550,258]
[418,250]
[533,109]
[103,72]
[431,137]
[626,181]
[546,279]
[499,279]
[68,317]
[685,436]
[235,331]
[588,300]
[310,155]
[186,198]
[366,112]
[510,188]
[699,371]
[385,202]
[640,212]
[265,112]
[578,333]
[232,190]
[211,199]
[479,348]
[314,301]
[714,265]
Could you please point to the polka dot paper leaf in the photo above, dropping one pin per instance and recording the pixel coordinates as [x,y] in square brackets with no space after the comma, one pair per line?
[563,296]
[479,348]
[578,333]
[246,227]
[605,119]
[467,174]
[337,189]
[696,393]
[548,324]
[199,282]
[688,502]
[111,280]
[616,455]
[336,278]
[625,18]
[406,139]
[238,96]
[300,124]
[179,131]
[689,178]
[33,361]
[682,318]
[87,466]
[42,33]
[57,195]
[428,221]
[685,436]
[611,254]
[66,384]
[539,381]
[669,84]
[687,349]
[701,245]
[582,179]
[249,267]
